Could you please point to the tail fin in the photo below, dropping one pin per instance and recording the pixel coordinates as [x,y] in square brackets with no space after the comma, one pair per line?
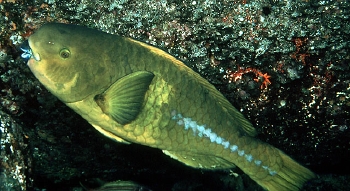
[290,177]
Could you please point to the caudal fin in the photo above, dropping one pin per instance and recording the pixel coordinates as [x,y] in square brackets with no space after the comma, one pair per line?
[290,177]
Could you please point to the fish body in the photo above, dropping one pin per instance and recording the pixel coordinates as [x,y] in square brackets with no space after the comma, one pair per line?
[133,92]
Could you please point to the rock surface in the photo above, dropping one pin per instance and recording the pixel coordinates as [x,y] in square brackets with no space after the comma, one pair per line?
[284,64]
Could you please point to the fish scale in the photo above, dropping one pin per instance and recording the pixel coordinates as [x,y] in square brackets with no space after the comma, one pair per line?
[133,92]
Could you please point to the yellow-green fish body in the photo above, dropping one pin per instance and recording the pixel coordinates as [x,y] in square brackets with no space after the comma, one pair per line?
[134,92]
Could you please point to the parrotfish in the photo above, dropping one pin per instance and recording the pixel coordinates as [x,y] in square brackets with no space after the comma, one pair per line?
[133,92]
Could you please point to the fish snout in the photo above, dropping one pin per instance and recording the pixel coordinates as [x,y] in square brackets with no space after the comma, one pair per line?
[28,52]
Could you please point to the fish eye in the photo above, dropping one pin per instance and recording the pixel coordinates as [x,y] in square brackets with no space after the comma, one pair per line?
[65,53]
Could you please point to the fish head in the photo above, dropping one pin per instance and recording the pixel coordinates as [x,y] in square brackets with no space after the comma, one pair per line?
[66,60]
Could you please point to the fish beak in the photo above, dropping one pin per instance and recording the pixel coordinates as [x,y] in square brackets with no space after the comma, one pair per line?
[28,52]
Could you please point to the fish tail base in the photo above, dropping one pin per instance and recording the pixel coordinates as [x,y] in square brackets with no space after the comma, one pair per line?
[290,177]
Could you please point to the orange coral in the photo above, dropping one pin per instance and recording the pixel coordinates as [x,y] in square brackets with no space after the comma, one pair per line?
[265,77]
[237,75]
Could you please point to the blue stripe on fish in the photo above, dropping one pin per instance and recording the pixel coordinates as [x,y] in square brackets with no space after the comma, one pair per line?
[203,132]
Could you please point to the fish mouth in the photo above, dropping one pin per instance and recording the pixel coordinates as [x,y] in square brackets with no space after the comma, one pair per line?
[28,52]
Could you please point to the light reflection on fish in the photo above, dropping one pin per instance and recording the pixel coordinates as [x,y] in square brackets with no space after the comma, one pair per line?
[119,185]
[133,92]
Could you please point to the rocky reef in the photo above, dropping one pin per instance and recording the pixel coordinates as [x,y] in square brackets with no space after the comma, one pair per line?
[284,64]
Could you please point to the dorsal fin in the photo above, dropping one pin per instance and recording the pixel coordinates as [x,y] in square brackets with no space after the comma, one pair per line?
[246,127]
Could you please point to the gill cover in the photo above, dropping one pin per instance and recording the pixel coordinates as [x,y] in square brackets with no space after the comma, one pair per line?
[71,65]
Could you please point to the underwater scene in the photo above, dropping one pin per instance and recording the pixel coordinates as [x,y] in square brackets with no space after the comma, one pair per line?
[174,95]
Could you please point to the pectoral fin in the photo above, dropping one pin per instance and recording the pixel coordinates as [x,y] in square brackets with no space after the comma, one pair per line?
[122,101]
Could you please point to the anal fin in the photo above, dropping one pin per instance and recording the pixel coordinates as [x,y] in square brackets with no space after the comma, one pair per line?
[200,161]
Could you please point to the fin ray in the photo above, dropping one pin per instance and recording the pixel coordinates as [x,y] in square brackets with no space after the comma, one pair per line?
[290,177]
[123,100]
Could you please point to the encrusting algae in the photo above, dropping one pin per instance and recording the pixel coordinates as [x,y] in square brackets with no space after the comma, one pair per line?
[133,92]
